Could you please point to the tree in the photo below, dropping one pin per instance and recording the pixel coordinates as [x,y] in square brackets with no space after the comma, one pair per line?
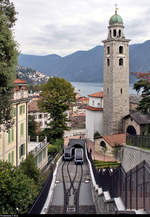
[56,96]
[32,126]
[17,190]
[8,61]
[97,135]
[29,168]
[144,85]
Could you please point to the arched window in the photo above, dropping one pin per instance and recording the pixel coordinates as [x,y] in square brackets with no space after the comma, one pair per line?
[103,144]
[121,90]
[131,130]
[108,62]
[121,49]
[108,50]
[119,33]
[114,33]
[120,62]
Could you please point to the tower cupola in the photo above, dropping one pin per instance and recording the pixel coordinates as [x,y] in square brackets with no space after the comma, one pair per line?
[115,26]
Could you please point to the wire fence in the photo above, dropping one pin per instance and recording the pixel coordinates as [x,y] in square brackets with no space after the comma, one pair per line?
[132,186]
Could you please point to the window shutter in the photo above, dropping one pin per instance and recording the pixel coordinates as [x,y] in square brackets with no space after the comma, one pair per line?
[20,152]
[23,149]
[12,156]
[12,134]
[9,136]
[9,157]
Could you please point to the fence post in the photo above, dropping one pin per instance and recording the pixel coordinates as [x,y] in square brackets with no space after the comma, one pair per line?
[137,187]
[144,184]
[130,189]
[126,192]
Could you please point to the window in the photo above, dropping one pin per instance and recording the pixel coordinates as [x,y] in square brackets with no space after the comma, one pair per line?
[40,123]
[21,129]
[93,102]
[45,115]
[44,153]
[12,134]
[107,90]
[40,157]
[40,116]
[121,49]
[14,112]
[120,62]
[108,50]
[11,157]
[8,136]
[121,90]
[108,62]
[45,122]
[110,33]
[21,150]
[22,109]
[114,33]
[119,33]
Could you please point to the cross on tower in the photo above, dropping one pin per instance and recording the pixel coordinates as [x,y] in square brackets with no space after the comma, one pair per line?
[116,9]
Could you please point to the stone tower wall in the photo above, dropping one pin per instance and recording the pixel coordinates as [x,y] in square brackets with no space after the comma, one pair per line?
[116,86]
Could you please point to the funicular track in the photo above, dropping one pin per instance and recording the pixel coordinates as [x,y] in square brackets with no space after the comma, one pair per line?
[75,183]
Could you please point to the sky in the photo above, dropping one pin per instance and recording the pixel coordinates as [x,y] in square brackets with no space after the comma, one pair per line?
[63,27]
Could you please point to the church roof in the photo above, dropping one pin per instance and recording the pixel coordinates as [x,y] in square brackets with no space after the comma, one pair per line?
[94,108]
[20,81]
[115,19]
[115,139]
[139,117]
[97,94]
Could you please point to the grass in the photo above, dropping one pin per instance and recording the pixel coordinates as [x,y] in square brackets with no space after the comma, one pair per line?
[104,164]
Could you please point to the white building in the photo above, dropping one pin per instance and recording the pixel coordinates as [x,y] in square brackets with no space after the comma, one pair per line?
[94,115]
[40,117]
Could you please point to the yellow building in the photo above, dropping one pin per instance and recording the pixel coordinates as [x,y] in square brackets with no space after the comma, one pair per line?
[13,144]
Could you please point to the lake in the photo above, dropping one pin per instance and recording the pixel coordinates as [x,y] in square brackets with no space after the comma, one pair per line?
[86,88]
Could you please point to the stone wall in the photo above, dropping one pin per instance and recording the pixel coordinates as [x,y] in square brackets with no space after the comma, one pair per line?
[133,156]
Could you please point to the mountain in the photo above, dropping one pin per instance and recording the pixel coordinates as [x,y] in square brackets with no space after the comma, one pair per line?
[86,66]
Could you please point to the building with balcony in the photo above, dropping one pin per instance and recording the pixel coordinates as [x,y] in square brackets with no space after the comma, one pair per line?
[39,151]
[13,144]
[41,118]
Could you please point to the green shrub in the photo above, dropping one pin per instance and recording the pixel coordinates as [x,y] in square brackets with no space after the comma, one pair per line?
[52,149]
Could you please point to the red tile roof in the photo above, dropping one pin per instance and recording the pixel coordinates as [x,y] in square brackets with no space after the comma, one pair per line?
[93,108]
[97,94]
[19,81]
[115,139]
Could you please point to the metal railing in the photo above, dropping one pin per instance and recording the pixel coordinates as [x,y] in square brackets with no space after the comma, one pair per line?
[132,186]
[138,141]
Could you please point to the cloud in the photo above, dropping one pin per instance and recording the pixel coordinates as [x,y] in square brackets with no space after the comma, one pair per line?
[65,26]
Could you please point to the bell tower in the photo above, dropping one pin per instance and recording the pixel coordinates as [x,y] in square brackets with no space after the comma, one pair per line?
[116,76]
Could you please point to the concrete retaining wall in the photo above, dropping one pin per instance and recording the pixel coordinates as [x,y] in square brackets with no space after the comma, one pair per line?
[133,156]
